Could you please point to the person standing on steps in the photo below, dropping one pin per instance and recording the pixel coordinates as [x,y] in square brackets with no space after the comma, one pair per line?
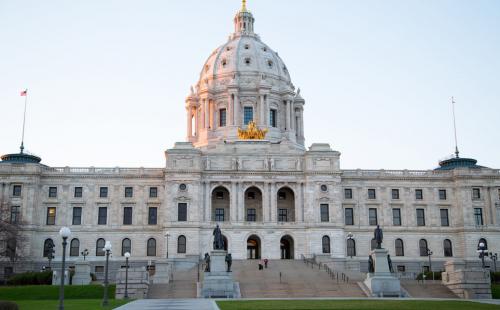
[265,262]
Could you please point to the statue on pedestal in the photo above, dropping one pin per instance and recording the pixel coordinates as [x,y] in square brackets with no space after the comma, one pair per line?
[207,262]
[218,239]
[229,261]
[378,236]
[371,266]
[389,261]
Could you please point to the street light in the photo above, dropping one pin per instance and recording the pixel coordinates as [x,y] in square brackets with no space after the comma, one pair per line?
[64,233]
[127,256]
[494,258]
[349,237]
[482,252]
[107,248]
[429,253]
[167,235]
[85,253]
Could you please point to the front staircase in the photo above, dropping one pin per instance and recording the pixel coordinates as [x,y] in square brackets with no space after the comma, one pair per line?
[182,286]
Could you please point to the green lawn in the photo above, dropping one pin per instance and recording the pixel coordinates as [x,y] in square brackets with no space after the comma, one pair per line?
[72,304]
[351,305]
[495,291]
[51,292]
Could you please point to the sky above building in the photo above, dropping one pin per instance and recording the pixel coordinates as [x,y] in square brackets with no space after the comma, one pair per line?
[107,80]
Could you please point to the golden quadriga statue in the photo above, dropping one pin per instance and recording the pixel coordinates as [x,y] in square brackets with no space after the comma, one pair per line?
[252,132]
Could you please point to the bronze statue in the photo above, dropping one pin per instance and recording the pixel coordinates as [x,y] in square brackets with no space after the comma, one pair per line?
[229,261]
[378,236]
[371,267]
[218,239]
[389,261]
[207,262]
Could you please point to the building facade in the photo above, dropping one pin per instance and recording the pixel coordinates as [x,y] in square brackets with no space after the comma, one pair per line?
[272,197]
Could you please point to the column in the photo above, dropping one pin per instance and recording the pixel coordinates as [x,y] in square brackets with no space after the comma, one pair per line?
[274,205]
[233,203]
[301,123]
[265,203]
[196,123]
[298,202]
[236,110]
[229,113]
[207,114]
[287,124]
[261,110]
[292,116]
[208,203]
[241,202]
[267,113]
[189,123]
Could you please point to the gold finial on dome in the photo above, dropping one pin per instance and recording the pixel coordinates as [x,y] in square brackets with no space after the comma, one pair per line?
[252,132]
[244,5]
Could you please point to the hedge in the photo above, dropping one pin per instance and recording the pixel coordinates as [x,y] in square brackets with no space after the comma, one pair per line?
[8,305]
[31,278]
[51,292]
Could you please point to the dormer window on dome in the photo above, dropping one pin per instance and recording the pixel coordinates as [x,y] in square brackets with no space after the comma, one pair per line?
[247,61]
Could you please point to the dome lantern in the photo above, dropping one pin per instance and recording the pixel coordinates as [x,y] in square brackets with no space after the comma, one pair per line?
[243,21]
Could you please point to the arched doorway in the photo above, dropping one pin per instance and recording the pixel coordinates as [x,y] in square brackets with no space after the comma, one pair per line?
[286,247]
[253,205]
[286,205]
[253,247]
[220,204]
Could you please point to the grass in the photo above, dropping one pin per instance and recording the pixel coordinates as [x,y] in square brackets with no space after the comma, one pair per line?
[495,291]
[351,305]
[51,292]
[71,304]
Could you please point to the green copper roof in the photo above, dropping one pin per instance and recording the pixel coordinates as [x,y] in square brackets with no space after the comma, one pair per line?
[21,158]
[457,162]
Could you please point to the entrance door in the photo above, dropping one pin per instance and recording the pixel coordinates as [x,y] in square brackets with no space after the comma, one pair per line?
[253,247]
[286,247]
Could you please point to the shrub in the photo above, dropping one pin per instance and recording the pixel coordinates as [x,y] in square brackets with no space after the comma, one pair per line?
[428,275]
[31,278]
[8,305]
[495,277]
[93,277]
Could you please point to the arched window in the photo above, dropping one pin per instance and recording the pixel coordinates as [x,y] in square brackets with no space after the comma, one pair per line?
[422,244]
[351,247]
[99,247]
[373,244]
[181,244]
[326,244]
[126,246]
[448,251]
[482,240]
[74,247]
[10,251]
[48,245]
[151,250]
[400,250]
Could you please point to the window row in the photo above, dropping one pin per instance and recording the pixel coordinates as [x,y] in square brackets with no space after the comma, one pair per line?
[102,216]
[399,248]
[103,192]
[419,194]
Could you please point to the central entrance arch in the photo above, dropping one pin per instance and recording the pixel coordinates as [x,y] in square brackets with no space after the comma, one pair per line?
[286,247]
[253,247]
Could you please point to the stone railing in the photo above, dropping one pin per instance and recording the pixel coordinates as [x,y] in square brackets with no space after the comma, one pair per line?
[419,173]
[110,171]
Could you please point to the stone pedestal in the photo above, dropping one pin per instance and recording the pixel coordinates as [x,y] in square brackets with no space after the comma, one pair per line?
[163,270]
[218,283]
[468,283]
[137,283]
[56,277]
[82,273]
[382,283]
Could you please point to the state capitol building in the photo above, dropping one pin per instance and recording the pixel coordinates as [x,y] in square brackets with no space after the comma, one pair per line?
[245,166]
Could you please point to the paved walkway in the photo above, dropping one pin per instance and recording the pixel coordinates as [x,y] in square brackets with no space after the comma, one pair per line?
[170,304]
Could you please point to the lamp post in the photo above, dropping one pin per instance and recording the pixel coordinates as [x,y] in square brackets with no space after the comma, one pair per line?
[167,235]
[349,237]
[127,256]
[494,258]
[429,253]
[482,252]
[64,233]
[85,253]
[107,248]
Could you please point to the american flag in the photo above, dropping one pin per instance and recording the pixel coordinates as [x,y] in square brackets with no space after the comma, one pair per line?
[24,92]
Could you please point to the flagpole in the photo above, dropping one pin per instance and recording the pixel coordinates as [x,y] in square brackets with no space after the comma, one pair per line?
[24,119]
[454,126]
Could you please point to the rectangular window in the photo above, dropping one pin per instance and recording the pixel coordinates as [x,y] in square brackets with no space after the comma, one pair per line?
[372,216]
[419,194]
[444,217]
[103,192]
[395,193]
[348,193]
[182,212]
[127,216]
[152,216]
[222,118]
[247,115]
[272,118]
[129,192]
[349,216]
[251,215]
[478,216]
[78,192]
[420,217]
[153,192]
[371,193]
[99,269]
[219,215]
[102,216]
[15,214]
[16,190]
[325,213]
[77,216]
[396,217]
[282,215]
[51,215]
[476,193]
[52,192]
[442,194]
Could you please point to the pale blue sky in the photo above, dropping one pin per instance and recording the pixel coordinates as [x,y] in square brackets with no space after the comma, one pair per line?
[108,79]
